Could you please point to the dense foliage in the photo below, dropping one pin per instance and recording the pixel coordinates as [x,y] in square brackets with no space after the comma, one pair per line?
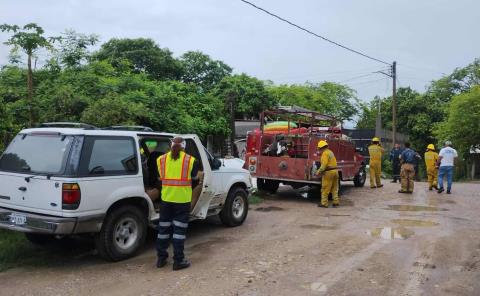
[137,82]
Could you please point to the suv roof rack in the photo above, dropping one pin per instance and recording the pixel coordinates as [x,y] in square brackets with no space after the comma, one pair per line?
[68,125]
[139,128]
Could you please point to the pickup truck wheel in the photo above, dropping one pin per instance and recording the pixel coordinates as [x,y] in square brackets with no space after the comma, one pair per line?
[266,185]
[235,210]
[123,234]
[360,178]
[39,239]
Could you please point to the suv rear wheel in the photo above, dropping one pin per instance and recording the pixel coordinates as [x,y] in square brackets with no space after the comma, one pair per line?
[123,233]
[235,209]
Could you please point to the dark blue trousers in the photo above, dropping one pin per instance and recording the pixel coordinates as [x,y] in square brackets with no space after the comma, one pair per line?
[173,226]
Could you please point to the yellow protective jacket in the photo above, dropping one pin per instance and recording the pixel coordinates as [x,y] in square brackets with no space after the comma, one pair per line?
[327,161]
[431,158]
[375,151]
[176,177]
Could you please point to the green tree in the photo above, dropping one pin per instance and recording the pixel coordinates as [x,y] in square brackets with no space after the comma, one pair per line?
[30,38]
[330,98]
[200,69]
[72,49]
[462,122]
[112,111]
[143,55]
[299,95]
[341,98]
[249,93]
[368,113]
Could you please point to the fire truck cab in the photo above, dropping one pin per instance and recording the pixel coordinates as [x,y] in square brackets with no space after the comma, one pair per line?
[284,149]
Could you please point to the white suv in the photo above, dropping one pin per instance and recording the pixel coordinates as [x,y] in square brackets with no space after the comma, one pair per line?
[57,181]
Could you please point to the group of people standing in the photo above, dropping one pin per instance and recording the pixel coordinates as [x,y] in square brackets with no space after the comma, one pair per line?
[405,165]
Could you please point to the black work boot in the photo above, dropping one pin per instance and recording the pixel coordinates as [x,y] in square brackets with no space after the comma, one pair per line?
[449,192]
[181,265]
[440,190]
[321,206]
[161,262]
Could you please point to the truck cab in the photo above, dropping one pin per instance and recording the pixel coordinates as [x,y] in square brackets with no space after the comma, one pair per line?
[60,181]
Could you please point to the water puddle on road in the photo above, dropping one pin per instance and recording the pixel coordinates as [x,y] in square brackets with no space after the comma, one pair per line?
[269,209]
[413,208]
[319,226]
[391,233]
[414,223]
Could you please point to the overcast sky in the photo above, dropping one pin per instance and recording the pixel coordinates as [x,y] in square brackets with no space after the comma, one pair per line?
[427,38]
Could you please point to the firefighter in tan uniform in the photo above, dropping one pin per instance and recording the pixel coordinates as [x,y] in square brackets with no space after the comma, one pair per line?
[431,158]
[328,171]
[408,158]
[375,150]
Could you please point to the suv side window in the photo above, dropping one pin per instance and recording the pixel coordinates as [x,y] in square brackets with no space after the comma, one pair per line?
[107,156]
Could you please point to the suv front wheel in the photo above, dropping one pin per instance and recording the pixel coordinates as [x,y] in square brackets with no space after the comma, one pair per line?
[123,233]
[235,209]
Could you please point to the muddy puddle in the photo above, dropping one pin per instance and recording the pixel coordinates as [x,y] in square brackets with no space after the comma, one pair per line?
[269,209]
[414,223]
[319,226]
[208,244]
[391,233]
[413,208]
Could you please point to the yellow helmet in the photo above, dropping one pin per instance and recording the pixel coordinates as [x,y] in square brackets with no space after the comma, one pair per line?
[322,144]
[431,147]
[375,139]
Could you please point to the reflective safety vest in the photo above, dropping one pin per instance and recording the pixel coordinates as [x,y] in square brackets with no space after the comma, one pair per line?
[176,177]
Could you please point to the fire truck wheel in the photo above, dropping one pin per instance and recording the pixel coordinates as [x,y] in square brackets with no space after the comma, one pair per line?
[360,178]
[269,186]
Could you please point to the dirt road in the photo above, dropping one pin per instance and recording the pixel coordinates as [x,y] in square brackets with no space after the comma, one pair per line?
[378,242]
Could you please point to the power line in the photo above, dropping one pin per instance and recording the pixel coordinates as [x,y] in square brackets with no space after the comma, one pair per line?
[313,33]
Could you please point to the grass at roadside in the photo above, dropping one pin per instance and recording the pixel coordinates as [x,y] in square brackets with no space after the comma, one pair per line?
[255,199]
[16,250]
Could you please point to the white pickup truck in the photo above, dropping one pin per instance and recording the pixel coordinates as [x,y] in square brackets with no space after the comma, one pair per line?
[57,181]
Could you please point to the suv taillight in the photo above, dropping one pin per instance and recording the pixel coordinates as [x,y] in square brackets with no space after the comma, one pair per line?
[71,196]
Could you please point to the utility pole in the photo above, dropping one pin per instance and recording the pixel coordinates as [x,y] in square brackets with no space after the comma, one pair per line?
[393,75]
[394,104]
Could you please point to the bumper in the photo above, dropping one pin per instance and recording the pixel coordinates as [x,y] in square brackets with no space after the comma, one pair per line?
[35,223]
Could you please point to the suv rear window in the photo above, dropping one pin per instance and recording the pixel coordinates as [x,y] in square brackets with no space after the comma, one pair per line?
[37,153]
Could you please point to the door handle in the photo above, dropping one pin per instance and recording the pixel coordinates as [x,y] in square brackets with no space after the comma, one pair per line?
[23,188]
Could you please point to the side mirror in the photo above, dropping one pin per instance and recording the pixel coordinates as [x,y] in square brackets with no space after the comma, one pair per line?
[216,164]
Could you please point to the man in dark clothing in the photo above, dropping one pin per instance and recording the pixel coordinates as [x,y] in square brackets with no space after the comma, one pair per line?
[408,158]
[395,159]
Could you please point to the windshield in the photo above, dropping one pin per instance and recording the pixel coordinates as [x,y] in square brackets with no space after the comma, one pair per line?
[45,153]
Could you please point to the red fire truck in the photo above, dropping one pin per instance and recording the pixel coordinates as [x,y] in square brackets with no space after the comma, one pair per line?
[284,149]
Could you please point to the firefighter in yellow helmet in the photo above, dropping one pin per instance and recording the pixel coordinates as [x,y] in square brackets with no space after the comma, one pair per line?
[328,171]
[376,151]
[431,158]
